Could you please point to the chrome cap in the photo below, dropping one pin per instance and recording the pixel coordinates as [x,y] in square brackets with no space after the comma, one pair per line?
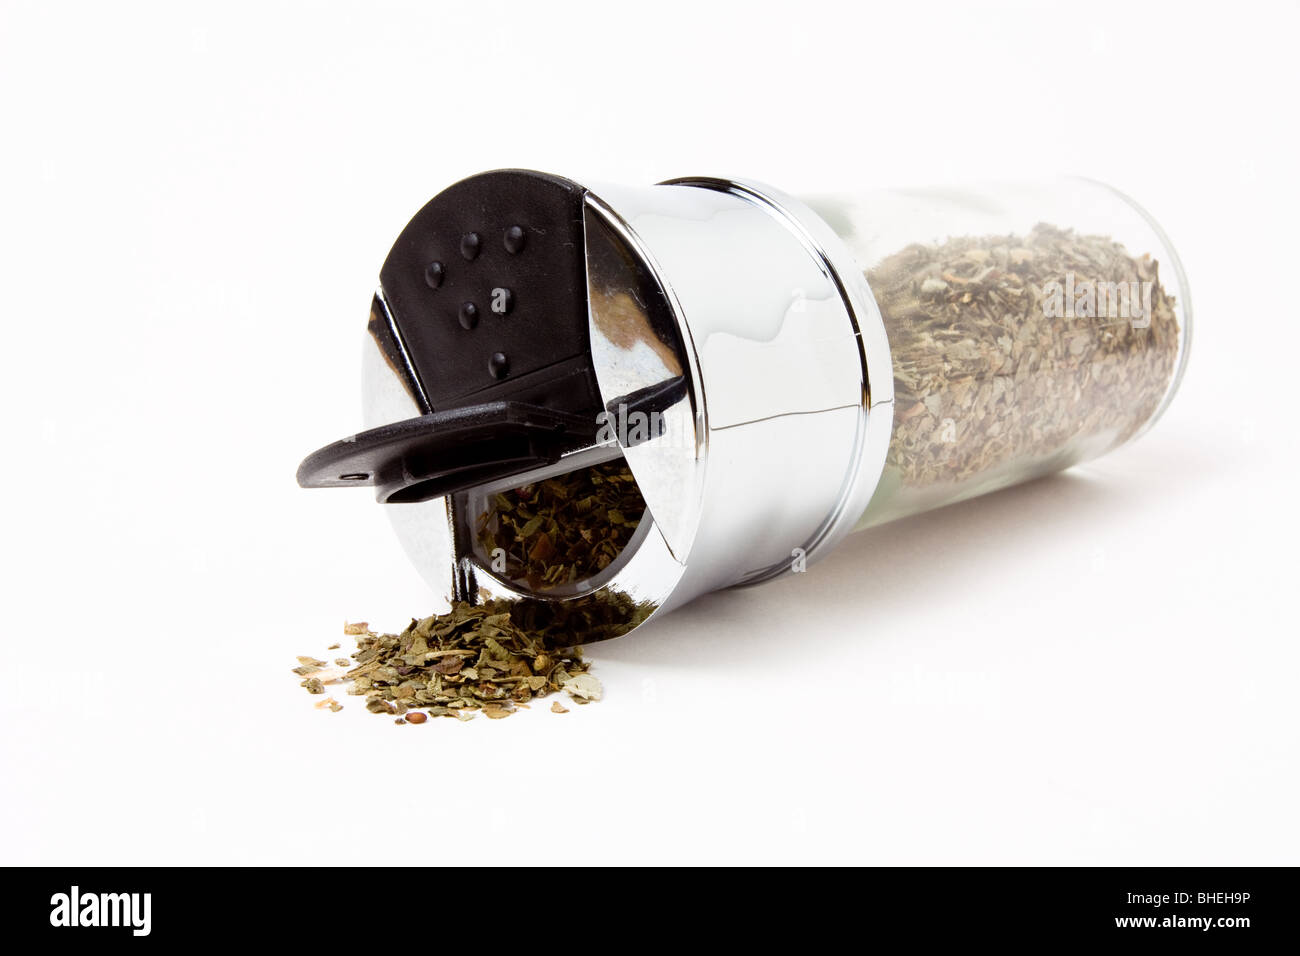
[759,465]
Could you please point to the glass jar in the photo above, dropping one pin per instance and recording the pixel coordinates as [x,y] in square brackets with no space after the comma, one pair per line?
[600,402]
[1031,327]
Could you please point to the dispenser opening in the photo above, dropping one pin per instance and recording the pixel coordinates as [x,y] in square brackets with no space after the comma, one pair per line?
[558,535]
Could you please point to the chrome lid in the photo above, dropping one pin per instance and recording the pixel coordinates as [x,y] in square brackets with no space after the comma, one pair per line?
[746,319]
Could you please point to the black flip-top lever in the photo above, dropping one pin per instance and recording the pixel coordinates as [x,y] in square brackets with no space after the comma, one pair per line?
[482,315]
[443,452]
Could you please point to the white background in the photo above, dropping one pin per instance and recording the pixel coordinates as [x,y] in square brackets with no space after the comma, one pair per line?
[1097,668]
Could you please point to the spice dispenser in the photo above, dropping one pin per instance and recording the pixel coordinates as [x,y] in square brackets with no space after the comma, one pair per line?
[758,375]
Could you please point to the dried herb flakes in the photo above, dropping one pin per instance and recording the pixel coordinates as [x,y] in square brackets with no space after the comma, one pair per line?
[564,529]
[987,378]
[474,658]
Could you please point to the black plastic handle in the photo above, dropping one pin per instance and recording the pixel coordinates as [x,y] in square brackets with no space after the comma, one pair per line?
[449,451]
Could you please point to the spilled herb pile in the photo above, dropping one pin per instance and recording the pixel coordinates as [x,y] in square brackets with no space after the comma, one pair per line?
[562,530]
[497,656]
[473,658]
